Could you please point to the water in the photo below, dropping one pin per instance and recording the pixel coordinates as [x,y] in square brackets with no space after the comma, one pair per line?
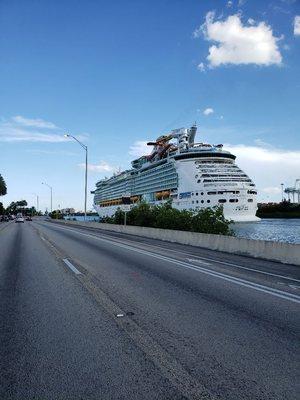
[276,229]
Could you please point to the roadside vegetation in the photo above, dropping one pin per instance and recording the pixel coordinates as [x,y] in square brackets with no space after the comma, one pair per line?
[3,189]
[208,220]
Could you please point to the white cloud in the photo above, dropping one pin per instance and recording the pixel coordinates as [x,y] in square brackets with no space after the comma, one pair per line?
[272,189]
[229,4]
[208,111]
[139,148]
[36,123]
[21,129]
[252,43]
[297,25]
[103,166]
[15,134]
[201,67]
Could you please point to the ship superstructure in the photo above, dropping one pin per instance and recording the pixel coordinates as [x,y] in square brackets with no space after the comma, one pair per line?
[193,175]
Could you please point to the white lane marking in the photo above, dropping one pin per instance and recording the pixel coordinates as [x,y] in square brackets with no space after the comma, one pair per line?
[248,269]
[229,278]
[212,260]
[192,260]
[71,266]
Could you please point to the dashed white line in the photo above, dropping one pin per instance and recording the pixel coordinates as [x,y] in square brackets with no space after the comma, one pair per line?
[71,266]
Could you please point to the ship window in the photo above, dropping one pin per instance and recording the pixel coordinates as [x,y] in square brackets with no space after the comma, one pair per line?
[196,176]
[211,192]
[197,201]
[222,200]
[202,193]
[198,181]
[208,201]
[193,202]
[233,200]
[202,201]
[250,200]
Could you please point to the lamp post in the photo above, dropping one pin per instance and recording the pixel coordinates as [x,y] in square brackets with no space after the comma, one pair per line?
[37,202]
[86,167]
[50,187]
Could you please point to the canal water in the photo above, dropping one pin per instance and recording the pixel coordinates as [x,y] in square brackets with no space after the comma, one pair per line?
[276,229]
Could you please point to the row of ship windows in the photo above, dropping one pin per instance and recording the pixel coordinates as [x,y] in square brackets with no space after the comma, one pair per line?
[225,180]
[221,175]
[225,191]
[221,201]
[215,162]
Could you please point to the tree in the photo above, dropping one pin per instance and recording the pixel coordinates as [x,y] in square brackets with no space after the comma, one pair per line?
[2,209]
[3,189]
[16,206]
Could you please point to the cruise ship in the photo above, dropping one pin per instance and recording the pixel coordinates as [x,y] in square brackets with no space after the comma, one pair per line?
[192,175]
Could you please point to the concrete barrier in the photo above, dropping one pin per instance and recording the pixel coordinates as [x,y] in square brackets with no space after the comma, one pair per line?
[276,251]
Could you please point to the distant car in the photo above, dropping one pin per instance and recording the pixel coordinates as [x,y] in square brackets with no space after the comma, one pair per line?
[28,218]
[19,219]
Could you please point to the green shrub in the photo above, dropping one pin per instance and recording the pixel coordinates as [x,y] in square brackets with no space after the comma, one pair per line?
[207,220]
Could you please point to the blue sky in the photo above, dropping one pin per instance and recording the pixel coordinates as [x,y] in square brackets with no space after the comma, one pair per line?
[119,73]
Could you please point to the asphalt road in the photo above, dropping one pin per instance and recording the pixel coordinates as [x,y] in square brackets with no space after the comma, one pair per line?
[87,314]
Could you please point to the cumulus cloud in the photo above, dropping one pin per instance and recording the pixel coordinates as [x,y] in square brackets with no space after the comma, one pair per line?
[21,129]
[103,166]
[297,25]
[235,43]
[229,4]
[139,148]
[208,111]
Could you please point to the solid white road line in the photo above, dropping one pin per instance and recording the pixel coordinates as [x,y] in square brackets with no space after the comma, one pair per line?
[210,260]
[242,282]
[71,266]
[247,268]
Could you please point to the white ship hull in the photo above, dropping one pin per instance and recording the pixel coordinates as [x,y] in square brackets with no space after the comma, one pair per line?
[194,176]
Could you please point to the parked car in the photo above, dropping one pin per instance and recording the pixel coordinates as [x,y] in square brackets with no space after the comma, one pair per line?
[19,219]
[28,218]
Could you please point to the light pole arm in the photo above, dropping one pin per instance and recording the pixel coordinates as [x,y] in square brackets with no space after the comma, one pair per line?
[78,141]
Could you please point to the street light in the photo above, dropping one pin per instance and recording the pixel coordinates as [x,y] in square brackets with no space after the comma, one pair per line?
[37,202]
[86,167]
[50,187]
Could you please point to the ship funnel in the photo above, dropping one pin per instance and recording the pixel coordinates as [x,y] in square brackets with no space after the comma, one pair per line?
[192,134]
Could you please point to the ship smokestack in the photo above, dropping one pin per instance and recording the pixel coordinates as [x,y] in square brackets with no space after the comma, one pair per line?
[192,134]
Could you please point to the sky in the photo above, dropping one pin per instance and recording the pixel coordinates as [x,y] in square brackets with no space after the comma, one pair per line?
[117,74]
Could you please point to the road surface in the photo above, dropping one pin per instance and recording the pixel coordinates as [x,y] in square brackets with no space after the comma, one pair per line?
[87,314]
